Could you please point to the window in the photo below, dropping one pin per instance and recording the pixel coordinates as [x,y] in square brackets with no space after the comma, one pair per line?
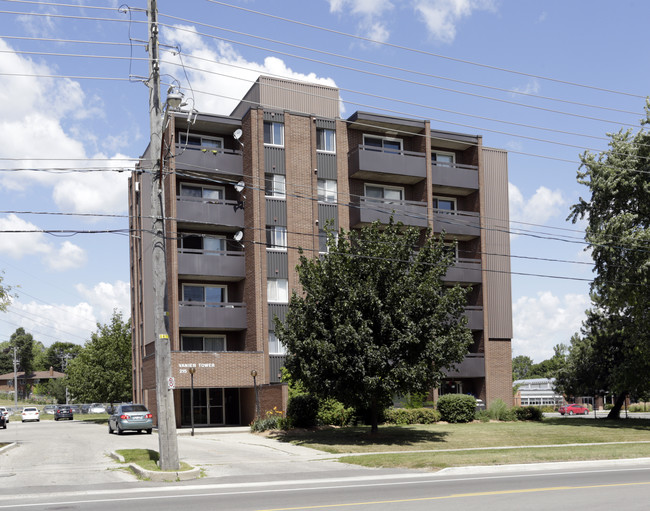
[275,346]
[276,237]
[327,190]
[444,204]
[274,186]
[199,243]
[323,248]
[201,343]
[384,193]
[277,290]
[274,133]
[200,141]
[211,296]
[325,140]
[203,192]
[446,159]
[389,145]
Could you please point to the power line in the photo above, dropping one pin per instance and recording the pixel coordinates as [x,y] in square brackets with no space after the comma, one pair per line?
[57,40]
[431,54]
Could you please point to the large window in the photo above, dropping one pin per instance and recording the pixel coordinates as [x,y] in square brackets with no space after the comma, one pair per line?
[211,296]
[384,193]
[203,192]
[199,243]
[194,140]
[386,144]
[203,343]
[277,290]
[276,237]
[446,204]
[275,186]
[325,140]
[323,247]
[327,190]
[275,346]
[273,133]
[443,158]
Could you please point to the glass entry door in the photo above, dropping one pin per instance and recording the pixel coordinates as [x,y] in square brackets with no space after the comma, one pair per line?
[208,407]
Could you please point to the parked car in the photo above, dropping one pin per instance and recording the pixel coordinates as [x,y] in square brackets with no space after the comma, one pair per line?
[130,417]
[4,412]
[30,413]
[3,421]
[75,409]
[49,409]
[85,408]
[573,410]
[63,412]
[97,408]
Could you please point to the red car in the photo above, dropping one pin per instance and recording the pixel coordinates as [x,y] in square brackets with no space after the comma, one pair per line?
[573,410]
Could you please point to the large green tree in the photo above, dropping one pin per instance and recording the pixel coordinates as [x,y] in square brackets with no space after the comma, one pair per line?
[24,344]
[102,371]
[618,233]
[374,319]
[522,367]
[60,353]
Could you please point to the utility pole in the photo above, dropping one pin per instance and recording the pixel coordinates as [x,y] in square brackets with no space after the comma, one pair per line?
[167,441]
[15,380]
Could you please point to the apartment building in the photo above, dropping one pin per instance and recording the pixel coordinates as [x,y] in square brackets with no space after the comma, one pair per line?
[242,192]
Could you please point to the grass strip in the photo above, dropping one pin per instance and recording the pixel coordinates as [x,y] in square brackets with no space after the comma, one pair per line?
[147,459]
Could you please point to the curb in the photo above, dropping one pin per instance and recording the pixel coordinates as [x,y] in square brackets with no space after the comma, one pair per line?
[8,447]
[159,475]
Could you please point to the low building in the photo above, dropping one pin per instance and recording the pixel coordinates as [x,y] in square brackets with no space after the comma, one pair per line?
[33,378]
[537,392]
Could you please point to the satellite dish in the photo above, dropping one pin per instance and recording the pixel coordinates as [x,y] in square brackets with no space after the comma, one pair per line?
[240,186]
[237,134]
[238,236]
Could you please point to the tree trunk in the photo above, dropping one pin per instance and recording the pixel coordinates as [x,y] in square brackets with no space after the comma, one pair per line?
[374,418]
[615,413]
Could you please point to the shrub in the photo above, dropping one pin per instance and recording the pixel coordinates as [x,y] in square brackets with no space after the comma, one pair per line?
[332,412]
[404,416]
[273,419]
[528,413]
[483,416]
[456,407]
[302,411]
[500,411]
[608,406]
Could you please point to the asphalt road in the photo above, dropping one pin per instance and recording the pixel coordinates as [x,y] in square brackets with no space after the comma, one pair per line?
[63,466]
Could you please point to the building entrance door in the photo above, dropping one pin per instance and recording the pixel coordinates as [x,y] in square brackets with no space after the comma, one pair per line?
[208,407]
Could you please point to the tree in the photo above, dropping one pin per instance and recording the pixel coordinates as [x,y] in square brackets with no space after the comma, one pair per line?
[59,354]
[5,295]
[375,319]
[521,367]
[38,357]
[24,344]
[618,233]
[102,370]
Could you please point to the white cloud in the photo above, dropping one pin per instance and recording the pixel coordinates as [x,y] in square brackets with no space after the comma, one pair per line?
[224,71]
[22,244]
[543,321]
[104,297]
[442,16]
[538,209]
[370,12]
[531,87]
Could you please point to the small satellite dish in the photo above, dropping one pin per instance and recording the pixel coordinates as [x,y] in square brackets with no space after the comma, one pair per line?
[237,134]
[238,236]
[240,186]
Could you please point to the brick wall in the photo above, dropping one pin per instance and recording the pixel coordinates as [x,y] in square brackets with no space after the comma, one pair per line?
[499,371]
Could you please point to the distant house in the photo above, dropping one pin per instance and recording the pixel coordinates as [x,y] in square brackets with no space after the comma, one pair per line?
[537,392]
[33,378]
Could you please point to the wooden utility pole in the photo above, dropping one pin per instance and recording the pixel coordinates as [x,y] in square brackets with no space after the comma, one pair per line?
[167,441]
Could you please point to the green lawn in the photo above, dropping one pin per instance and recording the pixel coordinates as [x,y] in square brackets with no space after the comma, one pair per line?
[146,458]
[477,435]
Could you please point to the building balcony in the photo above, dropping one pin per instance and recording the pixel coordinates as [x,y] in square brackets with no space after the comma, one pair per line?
[370,210]
[205,315]
[276,363]
[376,164]
[463,225]
[209,161]
[227,265]
[474,316]
[465,271]
[225,214]
[472,366]
[454,178]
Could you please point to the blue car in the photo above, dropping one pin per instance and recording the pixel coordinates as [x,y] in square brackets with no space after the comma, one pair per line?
[130,417]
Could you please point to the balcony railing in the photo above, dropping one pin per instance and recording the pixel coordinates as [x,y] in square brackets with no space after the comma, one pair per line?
[210,161]
[474,316]
[221,315]
[472,366]
[226,213]
[454,177]
[276,363]
[464,270]
[463,224]
[229,265]
[366,162]
[371,209]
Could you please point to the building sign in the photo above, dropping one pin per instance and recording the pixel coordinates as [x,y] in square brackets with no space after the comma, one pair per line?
[201,365]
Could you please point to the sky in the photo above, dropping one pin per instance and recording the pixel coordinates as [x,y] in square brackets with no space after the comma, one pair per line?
[545,81]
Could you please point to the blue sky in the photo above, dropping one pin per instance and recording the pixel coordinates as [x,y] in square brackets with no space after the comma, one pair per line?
[450,61]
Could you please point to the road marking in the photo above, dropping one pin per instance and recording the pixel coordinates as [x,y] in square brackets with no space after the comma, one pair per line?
[459,496]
